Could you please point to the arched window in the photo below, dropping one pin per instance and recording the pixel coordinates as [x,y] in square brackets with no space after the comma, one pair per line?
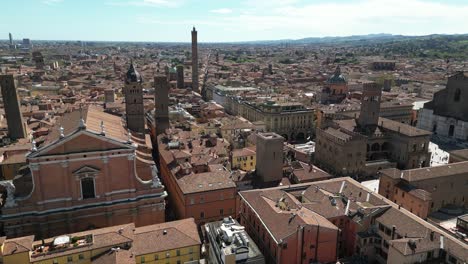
[87,188]
[451,130]
[456,98]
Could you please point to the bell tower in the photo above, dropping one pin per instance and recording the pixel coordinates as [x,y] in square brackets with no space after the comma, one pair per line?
[134,109]
[370,107]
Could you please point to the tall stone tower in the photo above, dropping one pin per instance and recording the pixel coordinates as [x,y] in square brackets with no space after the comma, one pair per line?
[269,157]
[180,76]
[370,107]
[133,90]
[161,100]
[16,128]
[194,60]
[38,58]
[11,39]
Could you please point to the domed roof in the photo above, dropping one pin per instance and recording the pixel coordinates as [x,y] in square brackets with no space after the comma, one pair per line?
[133,75]
[337,77]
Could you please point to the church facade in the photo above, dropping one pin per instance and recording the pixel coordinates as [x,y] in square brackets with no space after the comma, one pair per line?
[447,114]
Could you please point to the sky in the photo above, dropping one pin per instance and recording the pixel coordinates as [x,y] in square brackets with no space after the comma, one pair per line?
[226,20]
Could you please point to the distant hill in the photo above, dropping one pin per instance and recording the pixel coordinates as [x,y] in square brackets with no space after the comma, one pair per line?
[381,37]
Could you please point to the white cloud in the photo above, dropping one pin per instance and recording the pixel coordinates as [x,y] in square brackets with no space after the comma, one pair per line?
[298,20]
[51,2]
[282,19]
[221,11]
[182,22]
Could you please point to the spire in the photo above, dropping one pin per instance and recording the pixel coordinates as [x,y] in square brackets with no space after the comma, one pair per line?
[132,74]
[338,70]
[194,29]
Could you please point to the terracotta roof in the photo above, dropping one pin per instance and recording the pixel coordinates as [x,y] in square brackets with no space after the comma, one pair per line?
[17,245]
[166,236]
[309,173]
[337,133]
[402,128]
[387,124]
[317,199]
[92,115]
[419,174]
[206,181]
[243,152]
[282,222]
[459,153]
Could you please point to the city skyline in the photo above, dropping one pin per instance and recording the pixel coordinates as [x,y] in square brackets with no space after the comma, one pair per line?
[170,21]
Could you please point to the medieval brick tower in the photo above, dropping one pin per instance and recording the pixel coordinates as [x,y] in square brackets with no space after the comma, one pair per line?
[161,99]
[180,76]
[134,100]
[370,107]
[16,128]
[269,165]
[194,60]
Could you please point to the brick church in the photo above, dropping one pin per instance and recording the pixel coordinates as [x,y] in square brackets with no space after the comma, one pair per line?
[91,172]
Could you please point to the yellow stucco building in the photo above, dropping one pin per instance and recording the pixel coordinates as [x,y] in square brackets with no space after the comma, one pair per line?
[244,159]
[172,242]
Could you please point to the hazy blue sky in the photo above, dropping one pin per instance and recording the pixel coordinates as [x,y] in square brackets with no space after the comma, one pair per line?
[222,20]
